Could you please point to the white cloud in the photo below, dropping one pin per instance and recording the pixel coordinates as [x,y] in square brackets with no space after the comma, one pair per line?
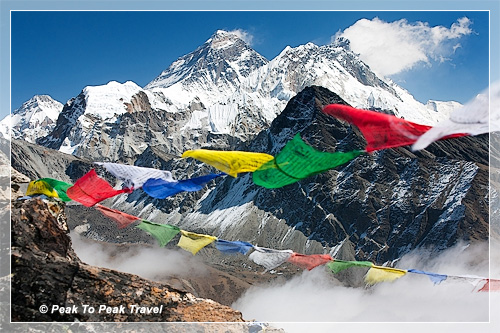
[456,46]
[392,47]
[150,262]
[315,297]
[243,35]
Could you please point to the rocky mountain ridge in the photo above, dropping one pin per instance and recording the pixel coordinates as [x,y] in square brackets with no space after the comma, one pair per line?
[378,207]
[382,205]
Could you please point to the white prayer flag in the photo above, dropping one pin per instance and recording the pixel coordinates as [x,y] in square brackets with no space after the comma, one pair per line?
[473,118]
[135,176]
[269,258]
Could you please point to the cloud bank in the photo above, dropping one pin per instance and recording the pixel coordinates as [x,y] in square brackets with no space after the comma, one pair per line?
[392,47]
[152,263]
[314,296]
[316,301]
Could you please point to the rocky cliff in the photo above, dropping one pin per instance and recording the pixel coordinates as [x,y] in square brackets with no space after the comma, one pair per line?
[50,283]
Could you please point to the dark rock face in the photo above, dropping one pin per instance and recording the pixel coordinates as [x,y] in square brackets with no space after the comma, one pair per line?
[388,202]
[73,109]
[139,102]
[46,271]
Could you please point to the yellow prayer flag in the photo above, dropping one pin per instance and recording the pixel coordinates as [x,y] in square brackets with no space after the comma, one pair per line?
[378,274]
[193,242]
[41,187]
[230,162]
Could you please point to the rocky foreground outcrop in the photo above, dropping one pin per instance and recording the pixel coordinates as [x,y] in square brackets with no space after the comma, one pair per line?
[50,283]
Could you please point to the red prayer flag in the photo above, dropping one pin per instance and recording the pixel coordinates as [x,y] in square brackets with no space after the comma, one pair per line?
[310,261]
[90,189]
[381,130]
[121,218]
[491,285]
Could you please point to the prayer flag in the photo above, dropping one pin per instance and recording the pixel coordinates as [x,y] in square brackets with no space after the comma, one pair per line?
[270,176]
[309,261]
[478,116]
[230,162]
[194,242]
[491,285]
[91,189]
[474,280]
[378,274]
[134,176]
[380,130]
[269,258]
[435,278]
[231,247]
[297,160]
[162,232]
[60,187]
[122,219]
[161,189]
[40,187]
[339,265]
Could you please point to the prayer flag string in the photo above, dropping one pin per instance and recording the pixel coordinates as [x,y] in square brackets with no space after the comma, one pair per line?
[272,258]
[296,161]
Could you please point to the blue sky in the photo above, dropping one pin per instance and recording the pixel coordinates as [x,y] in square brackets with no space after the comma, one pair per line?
[60,52]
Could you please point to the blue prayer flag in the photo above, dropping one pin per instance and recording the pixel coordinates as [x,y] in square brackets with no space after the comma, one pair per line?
[230,247]
[435,278]
[161,189]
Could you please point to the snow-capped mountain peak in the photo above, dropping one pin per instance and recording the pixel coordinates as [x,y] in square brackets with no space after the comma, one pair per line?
[221,62]
[38,105]
[109,100]
[35,118]
[222,39]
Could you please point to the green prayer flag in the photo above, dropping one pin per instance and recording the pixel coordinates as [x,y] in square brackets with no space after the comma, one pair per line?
[270,176]
[339,265]
[297,160]
[162,232]
[60,187]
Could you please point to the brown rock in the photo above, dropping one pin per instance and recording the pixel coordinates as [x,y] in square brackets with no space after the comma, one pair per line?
[47,272]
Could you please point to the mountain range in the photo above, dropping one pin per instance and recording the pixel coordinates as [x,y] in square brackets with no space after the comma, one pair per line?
[222,93]
[226,96]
